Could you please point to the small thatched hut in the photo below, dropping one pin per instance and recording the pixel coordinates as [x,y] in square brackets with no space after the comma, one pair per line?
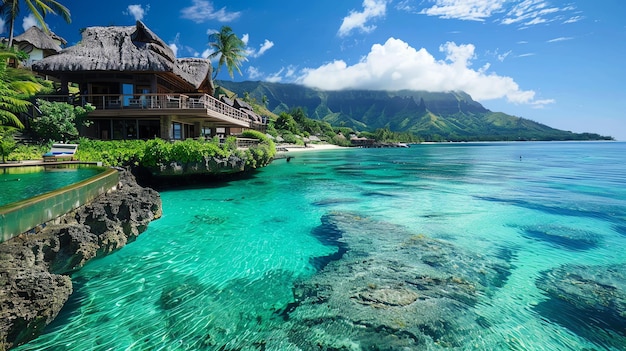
[38,44]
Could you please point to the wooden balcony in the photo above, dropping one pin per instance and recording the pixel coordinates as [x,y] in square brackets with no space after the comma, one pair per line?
[192,107]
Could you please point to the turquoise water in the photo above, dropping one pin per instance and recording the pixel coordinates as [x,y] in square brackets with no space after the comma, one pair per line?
[21,183]
[220,269]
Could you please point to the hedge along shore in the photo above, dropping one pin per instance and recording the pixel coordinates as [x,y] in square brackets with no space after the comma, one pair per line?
[35,268]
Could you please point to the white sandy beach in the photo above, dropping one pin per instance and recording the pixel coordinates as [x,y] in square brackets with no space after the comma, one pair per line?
[309,147]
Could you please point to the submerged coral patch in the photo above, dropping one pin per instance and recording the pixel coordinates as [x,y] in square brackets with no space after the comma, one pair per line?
[411,292]
[588,300]
[566,237]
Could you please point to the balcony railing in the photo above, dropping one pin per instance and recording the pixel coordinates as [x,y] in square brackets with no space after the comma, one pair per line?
[153,102]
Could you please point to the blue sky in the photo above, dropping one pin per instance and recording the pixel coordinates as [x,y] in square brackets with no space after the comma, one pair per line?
[560,63]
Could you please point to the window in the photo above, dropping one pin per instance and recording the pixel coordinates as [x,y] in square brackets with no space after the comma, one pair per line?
[128,90]
[177,131]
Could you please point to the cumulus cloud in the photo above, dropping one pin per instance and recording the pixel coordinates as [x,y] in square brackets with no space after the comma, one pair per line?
[358,20]
[395,65]
[29,21]
[137,11]
[473,10]
[202,11]
[251,52]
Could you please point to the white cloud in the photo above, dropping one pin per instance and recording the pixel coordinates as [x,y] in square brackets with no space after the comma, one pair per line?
[275,77]
[137,11]
[2,23]
[264,47]
[206,53]
[395,65]
[524,13]
[358,20]
[473,10]
[250,52]
[291,71]
[29,21]
[574,19]
[542,103]
[174,48]
[202,11]
[254,73]
[175,45]
[533,12]
[555,40]
[502,57]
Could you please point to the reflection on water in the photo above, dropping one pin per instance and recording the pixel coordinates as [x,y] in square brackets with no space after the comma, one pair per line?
[452,246]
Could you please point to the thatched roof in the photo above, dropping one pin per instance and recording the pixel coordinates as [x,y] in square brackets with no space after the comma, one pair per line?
[227,101]
[39,39]
[125,49]
[239,104]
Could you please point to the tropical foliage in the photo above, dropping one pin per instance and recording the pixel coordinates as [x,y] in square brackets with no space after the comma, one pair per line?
[59,121]
[229,48]
[13,92]
[262,154]
[10,11]
[16,86]
[157,152]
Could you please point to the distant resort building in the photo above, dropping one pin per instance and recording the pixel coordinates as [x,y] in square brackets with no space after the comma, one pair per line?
[37,44]
[141,90]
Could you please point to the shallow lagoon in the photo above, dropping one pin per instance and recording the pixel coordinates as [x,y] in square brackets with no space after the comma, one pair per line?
[335,249]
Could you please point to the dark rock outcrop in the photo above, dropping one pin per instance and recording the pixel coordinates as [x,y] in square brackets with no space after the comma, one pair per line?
[35,268]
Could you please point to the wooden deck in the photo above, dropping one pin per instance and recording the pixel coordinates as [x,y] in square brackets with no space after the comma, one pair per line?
[198,107]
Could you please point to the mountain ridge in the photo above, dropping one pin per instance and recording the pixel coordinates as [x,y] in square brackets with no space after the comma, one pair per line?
[433,116]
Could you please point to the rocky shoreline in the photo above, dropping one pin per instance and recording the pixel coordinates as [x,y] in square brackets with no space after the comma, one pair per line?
[35,268]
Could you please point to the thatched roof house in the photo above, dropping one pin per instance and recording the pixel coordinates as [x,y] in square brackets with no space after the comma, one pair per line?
[37,38]
[38,44]
[130,49]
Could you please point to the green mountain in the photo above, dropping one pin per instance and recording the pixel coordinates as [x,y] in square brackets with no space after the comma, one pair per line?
[432,116]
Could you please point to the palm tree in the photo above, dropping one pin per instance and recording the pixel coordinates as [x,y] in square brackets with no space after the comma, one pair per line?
[10,10]
[16,86]
[229,48]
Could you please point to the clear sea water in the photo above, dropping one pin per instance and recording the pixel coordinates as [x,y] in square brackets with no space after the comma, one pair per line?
[222,260]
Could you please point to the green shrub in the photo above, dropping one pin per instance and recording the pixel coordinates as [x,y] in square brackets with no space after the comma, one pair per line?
[111,153]
[27,152]
[59,121]
[155,152]
[262,154]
